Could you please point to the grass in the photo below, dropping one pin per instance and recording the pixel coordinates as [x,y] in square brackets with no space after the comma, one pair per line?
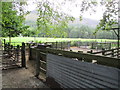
[42,39]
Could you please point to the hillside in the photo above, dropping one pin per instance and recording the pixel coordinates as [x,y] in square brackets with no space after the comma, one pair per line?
[85,21]
[32,17]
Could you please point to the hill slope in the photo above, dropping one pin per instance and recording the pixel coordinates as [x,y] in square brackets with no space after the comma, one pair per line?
[32,18]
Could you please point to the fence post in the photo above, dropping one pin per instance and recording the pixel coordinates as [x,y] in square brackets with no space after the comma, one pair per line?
[61,45]
[37,63]
[56,44]
[30,52]
[110,46]
[117,52]
[17,52]
[8,46]
[112,55]
[92,46]
[69,45]
[4,44]
[103,51]
[81,57]
[23,55]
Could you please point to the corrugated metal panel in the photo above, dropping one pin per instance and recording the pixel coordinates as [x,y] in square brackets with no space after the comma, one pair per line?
[72,73]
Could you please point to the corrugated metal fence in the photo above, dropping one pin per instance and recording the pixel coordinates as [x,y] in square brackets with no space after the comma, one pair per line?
[71,73]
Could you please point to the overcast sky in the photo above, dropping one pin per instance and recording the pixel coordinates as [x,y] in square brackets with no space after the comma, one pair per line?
[74,10]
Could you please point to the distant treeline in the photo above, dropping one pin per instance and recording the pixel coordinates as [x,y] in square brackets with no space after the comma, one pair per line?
[76,31]
[84,31]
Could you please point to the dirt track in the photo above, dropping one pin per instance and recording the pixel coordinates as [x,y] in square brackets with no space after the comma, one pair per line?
[20,78]
[76,49]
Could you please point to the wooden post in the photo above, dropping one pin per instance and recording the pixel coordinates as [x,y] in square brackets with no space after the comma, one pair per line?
[56,44]
[61,45]
[30,58]
[110,47]
[5,47]
[91,51]
[92,46]
[17,52]
[4,44]
[23,55]
[117,52]
[81,57]
[103,51]
[8,48]
[112,55]
[37,63]
[68,45]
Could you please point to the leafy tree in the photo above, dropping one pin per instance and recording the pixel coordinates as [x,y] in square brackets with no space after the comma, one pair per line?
[52,22]
[12,20]
[50,15]
[110,16]
[29,33]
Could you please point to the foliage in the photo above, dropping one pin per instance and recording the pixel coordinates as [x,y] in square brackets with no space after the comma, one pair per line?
[29,32]
[12,23]
[84,31]
[51,22]
[42,39]
[110,16]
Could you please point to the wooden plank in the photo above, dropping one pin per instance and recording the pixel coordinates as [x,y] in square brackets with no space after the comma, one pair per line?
[109,61]
[23,61]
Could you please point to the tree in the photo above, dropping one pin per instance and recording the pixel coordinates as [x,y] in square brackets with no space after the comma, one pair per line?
[52,22]
[51,15]
[12,21]
[110,16]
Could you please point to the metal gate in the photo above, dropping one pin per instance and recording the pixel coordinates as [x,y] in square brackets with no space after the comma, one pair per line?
[11,57]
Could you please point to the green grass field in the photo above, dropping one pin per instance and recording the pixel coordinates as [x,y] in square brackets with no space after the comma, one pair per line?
[41,39]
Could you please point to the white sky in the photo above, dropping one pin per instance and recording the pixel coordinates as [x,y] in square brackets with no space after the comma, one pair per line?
[74,10]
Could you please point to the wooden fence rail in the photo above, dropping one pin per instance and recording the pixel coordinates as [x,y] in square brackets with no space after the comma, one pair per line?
[16,53]
[112,52]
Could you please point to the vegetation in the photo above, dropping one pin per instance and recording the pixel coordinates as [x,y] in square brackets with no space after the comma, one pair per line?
[52,22]
[110,16]
[41,39]
[12,20]
[84,31]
